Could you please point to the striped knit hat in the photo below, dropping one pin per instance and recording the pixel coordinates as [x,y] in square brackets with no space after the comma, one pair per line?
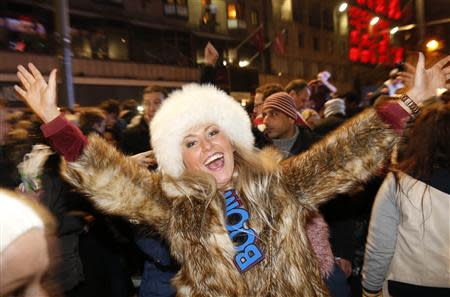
[281,101]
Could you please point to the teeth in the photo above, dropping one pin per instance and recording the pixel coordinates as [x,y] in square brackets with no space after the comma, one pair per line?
[213,158]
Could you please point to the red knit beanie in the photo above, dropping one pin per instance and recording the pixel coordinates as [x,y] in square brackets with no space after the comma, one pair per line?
[281,101]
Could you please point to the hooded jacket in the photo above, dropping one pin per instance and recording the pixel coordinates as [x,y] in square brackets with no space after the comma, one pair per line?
[193,220]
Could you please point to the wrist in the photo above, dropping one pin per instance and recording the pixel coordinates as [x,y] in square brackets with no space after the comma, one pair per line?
[414,95]
[50,116]
[408,104]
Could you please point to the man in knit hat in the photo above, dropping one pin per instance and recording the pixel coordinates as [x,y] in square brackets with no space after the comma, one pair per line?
[281,118]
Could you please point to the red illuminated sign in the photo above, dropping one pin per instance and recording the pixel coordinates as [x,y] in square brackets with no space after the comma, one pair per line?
[370,44]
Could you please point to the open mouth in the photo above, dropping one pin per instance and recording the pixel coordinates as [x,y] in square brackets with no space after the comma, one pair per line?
[215,161]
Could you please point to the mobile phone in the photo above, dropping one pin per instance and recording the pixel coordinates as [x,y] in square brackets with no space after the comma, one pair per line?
[400,66]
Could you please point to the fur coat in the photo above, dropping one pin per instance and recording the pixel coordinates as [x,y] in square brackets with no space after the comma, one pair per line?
[193,221]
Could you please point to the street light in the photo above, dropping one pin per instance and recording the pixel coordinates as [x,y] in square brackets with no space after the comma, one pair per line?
[244,63]
[432,45]
[394,30]
[343,7]
[374,21]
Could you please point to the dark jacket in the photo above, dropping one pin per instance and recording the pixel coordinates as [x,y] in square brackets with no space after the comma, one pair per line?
[328,124]
[304,140]
[59,199]
[136,139]
[9,176]
[159,267]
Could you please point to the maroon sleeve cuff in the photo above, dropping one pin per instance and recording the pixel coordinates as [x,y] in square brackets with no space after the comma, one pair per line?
[65,137]
[393,114]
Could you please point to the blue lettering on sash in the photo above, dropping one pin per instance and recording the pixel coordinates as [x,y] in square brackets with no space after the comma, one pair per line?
[248,253]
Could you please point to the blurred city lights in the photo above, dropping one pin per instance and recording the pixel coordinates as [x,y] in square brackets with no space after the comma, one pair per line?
[374,21]
[243,63]
[432,45]
[394,30]
[343,7]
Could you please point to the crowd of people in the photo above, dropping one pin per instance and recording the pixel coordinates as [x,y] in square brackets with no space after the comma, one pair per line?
[196,196]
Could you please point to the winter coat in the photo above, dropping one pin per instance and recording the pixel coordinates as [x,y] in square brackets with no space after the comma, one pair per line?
[409,236]
[136,138]
[194,223]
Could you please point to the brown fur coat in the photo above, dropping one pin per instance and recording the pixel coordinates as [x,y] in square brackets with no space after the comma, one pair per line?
[195,224]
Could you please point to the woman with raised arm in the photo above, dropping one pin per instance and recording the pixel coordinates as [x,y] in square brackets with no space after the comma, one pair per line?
[407,250]
[234,217]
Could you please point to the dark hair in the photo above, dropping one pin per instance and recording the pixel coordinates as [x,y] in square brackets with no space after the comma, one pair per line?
[89,117]
[155,89]
[269,89]
[111,106]
[129,104]
[428,146]
[296,85]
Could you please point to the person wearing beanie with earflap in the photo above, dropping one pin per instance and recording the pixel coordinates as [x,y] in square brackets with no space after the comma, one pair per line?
[280,118]
[25,230]
[235,217]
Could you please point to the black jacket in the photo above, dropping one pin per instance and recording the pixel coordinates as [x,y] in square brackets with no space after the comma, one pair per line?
[326,125]
[306,137]
[136,139]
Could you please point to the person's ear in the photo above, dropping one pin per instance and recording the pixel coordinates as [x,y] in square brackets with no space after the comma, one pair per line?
[292,121]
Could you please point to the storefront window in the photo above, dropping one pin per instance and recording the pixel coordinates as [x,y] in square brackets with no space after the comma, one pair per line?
[235,14]
[177,8]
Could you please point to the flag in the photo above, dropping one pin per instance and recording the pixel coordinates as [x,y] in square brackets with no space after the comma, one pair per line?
[258,40]
[407,12]
[279,43]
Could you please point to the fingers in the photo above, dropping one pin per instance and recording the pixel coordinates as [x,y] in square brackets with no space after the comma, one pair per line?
[446,70]
[20,91]
[23,80]
[37,74]
[421,62]
[443,62]
[25,74]
[405,75]
[52,80]
[410,68]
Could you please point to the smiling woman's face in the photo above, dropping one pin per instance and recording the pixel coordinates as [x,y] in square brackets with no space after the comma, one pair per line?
[208,149]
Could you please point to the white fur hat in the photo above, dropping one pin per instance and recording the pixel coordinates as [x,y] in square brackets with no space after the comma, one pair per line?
[16,218]
[191,106]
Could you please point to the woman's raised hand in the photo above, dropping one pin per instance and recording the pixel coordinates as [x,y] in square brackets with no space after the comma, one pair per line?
[427,81]
[39,95]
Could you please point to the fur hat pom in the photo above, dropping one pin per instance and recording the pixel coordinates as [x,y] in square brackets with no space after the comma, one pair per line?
[189,107]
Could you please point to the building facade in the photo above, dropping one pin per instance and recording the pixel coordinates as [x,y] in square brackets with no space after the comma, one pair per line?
[120,46]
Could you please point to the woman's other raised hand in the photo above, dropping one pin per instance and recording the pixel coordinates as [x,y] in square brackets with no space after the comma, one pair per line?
[40,95]
[427,81]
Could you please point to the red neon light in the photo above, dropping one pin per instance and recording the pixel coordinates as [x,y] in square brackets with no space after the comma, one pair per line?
[371,44]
